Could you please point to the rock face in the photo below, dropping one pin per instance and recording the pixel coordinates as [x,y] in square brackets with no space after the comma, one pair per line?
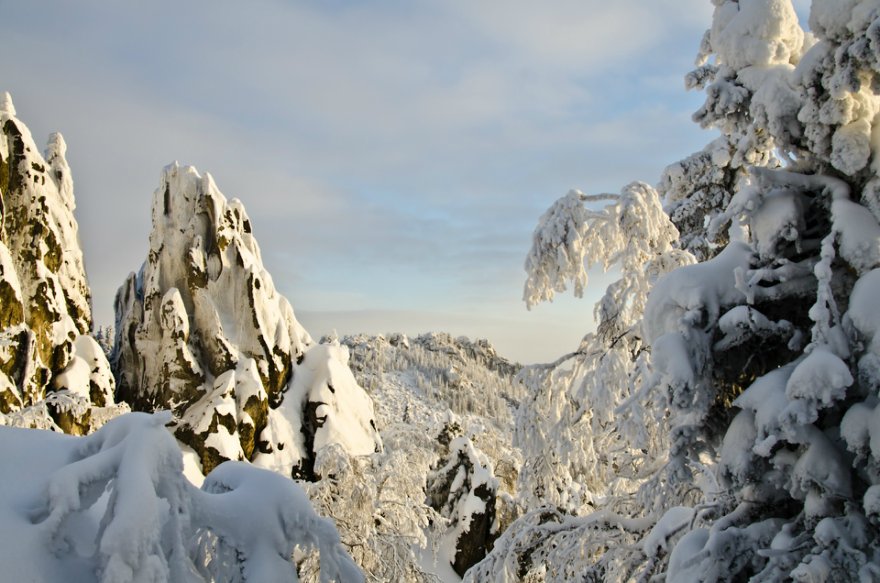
[52,373]
[202,331]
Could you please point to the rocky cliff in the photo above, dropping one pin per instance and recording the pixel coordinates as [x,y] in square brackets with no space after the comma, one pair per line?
[200,329]
[52,373]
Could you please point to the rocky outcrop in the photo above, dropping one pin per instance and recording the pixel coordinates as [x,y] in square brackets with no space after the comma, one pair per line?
[201,330]
[52,373]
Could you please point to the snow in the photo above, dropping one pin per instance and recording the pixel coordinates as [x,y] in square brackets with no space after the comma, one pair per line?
[693,295]
[6,107]
[858,234]
[442,569]
[738,447]
[743,323]
[673,521]
[851,146]
[344,411]
[225,443]
[266,534]
[862,316]
[872,501]
[116,505]
[779,218]
[822,377]
[192,467]
[832,18]
[673,355]
[683,568]
[820,467]
[755,32]
[863,313]
[347,411]
[87,371]
[767,400]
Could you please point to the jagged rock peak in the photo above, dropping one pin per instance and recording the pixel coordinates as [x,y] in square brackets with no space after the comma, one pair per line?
[6,106]
[32,189]
[45,301]
[201,329]
[203,287]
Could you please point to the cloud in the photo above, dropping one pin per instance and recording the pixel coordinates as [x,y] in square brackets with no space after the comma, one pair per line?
[390,154]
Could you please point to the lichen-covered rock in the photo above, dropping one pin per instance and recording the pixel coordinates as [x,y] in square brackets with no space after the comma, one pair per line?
[52,373]
[201,330]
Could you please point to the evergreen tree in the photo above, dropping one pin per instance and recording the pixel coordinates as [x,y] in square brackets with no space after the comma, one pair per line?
[720,424]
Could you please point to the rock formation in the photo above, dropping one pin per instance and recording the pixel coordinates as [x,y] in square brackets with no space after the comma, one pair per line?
[201,330]
[52,373]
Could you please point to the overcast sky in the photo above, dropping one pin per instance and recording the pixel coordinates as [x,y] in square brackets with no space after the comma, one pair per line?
[394,156]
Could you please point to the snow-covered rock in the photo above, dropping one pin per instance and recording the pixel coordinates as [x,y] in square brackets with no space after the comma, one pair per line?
[45,310]
[201,329]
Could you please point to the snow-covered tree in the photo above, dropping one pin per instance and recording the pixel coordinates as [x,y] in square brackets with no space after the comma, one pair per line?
[756,369]
[567,428]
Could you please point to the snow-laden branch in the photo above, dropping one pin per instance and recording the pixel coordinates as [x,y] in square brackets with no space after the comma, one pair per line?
[570,238]
[769,178]
[116,503]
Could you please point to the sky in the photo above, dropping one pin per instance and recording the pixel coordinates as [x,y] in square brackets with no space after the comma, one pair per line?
[394,156]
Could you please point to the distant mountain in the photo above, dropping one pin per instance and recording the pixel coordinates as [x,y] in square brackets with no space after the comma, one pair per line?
[469,377]
[53,374]
[200,329]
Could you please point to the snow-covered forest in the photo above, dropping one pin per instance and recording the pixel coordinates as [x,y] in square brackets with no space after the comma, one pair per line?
[720,423]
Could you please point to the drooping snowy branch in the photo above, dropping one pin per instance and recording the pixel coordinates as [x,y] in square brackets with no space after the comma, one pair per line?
[115,506]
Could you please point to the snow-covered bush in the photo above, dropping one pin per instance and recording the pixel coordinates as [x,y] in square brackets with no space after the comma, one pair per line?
[463,490]
[115,507]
